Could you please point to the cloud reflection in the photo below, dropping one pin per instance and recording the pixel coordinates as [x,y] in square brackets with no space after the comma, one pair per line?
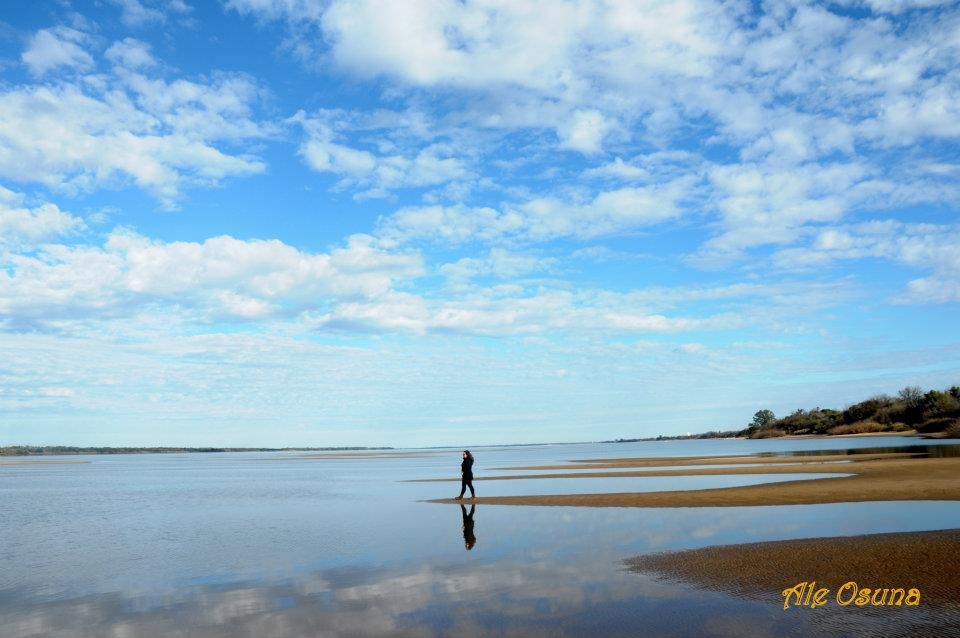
[546,598]
[557,595]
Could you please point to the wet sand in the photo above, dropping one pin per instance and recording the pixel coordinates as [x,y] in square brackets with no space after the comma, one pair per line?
[921,560]
[874,477]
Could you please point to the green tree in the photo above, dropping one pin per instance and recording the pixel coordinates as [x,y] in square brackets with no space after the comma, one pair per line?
[762,418]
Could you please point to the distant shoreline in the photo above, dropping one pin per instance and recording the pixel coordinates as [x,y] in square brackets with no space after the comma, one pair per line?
[69,450]
[64,450]
[708,437]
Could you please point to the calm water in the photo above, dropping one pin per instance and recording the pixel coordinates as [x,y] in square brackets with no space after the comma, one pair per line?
[278,545]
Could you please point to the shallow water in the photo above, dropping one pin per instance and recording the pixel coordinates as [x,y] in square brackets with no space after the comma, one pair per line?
[280,545]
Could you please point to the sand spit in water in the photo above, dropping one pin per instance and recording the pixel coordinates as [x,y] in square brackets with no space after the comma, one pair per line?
[921,560]
[874,477]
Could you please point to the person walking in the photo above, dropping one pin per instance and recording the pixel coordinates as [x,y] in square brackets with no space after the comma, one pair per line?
[466,475]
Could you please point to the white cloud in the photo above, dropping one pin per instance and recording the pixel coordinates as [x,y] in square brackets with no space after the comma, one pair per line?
[335,158]
[581,65]
[470,44]
[512,310]
[56,392]
[220,277]
[135,14]
[555,65]
[660,323]
[620,170]
[897,6]
[790,90]
[104,131]
[762,204]
[922,247]
[544,312]
[904,119]
[585,131]
[449,224]
[479,315]
[377,173]
[55,48]
[498,263]
[543,218]
[935,289]
[130,54]
[296,10]
[18,223]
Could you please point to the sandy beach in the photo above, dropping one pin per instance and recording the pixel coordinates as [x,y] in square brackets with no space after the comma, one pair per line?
[921,560]
[873,477]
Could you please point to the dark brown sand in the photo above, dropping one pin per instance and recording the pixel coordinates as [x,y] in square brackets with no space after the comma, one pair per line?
[874,477]
[923,560]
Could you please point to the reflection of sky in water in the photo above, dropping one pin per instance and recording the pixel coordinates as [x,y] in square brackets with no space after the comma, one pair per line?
[658,468]
[236,545]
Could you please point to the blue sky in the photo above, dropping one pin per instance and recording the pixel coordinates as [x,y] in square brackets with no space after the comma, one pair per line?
[294,222]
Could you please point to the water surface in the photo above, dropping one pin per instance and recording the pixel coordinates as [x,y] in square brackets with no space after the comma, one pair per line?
[280,545]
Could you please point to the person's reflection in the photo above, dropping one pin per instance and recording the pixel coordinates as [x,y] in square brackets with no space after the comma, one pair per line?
[469,540]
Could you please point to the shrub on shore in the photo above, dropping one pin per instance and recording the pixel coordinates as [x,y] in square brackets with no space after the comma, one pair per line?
[768,433]
[860,427]
[932,412]
[953,430]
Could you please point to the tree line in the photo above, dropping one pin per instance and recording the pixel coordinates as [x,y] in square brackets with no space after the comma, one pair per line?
[935,412]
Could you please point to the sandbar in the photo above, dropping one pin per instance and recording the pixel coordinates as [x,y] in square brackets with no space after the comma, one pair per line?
[922,560]
[872,477]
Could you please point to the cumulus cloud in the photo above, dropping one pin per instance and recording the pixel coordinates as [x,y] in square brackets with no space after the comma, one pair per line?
[762,204]
[22,224]
[896,6]
[294,10]
[55,48]
[802,103]
[127,127]
[665,62]
[517,54]
[377,172]
[468,44]
[619,169]
[585,131]
[221,277]
[130,53]
[134,13]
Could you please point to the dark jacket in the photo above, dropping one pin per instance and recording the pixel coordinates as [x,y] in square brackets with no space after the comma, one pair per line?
[466,468]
